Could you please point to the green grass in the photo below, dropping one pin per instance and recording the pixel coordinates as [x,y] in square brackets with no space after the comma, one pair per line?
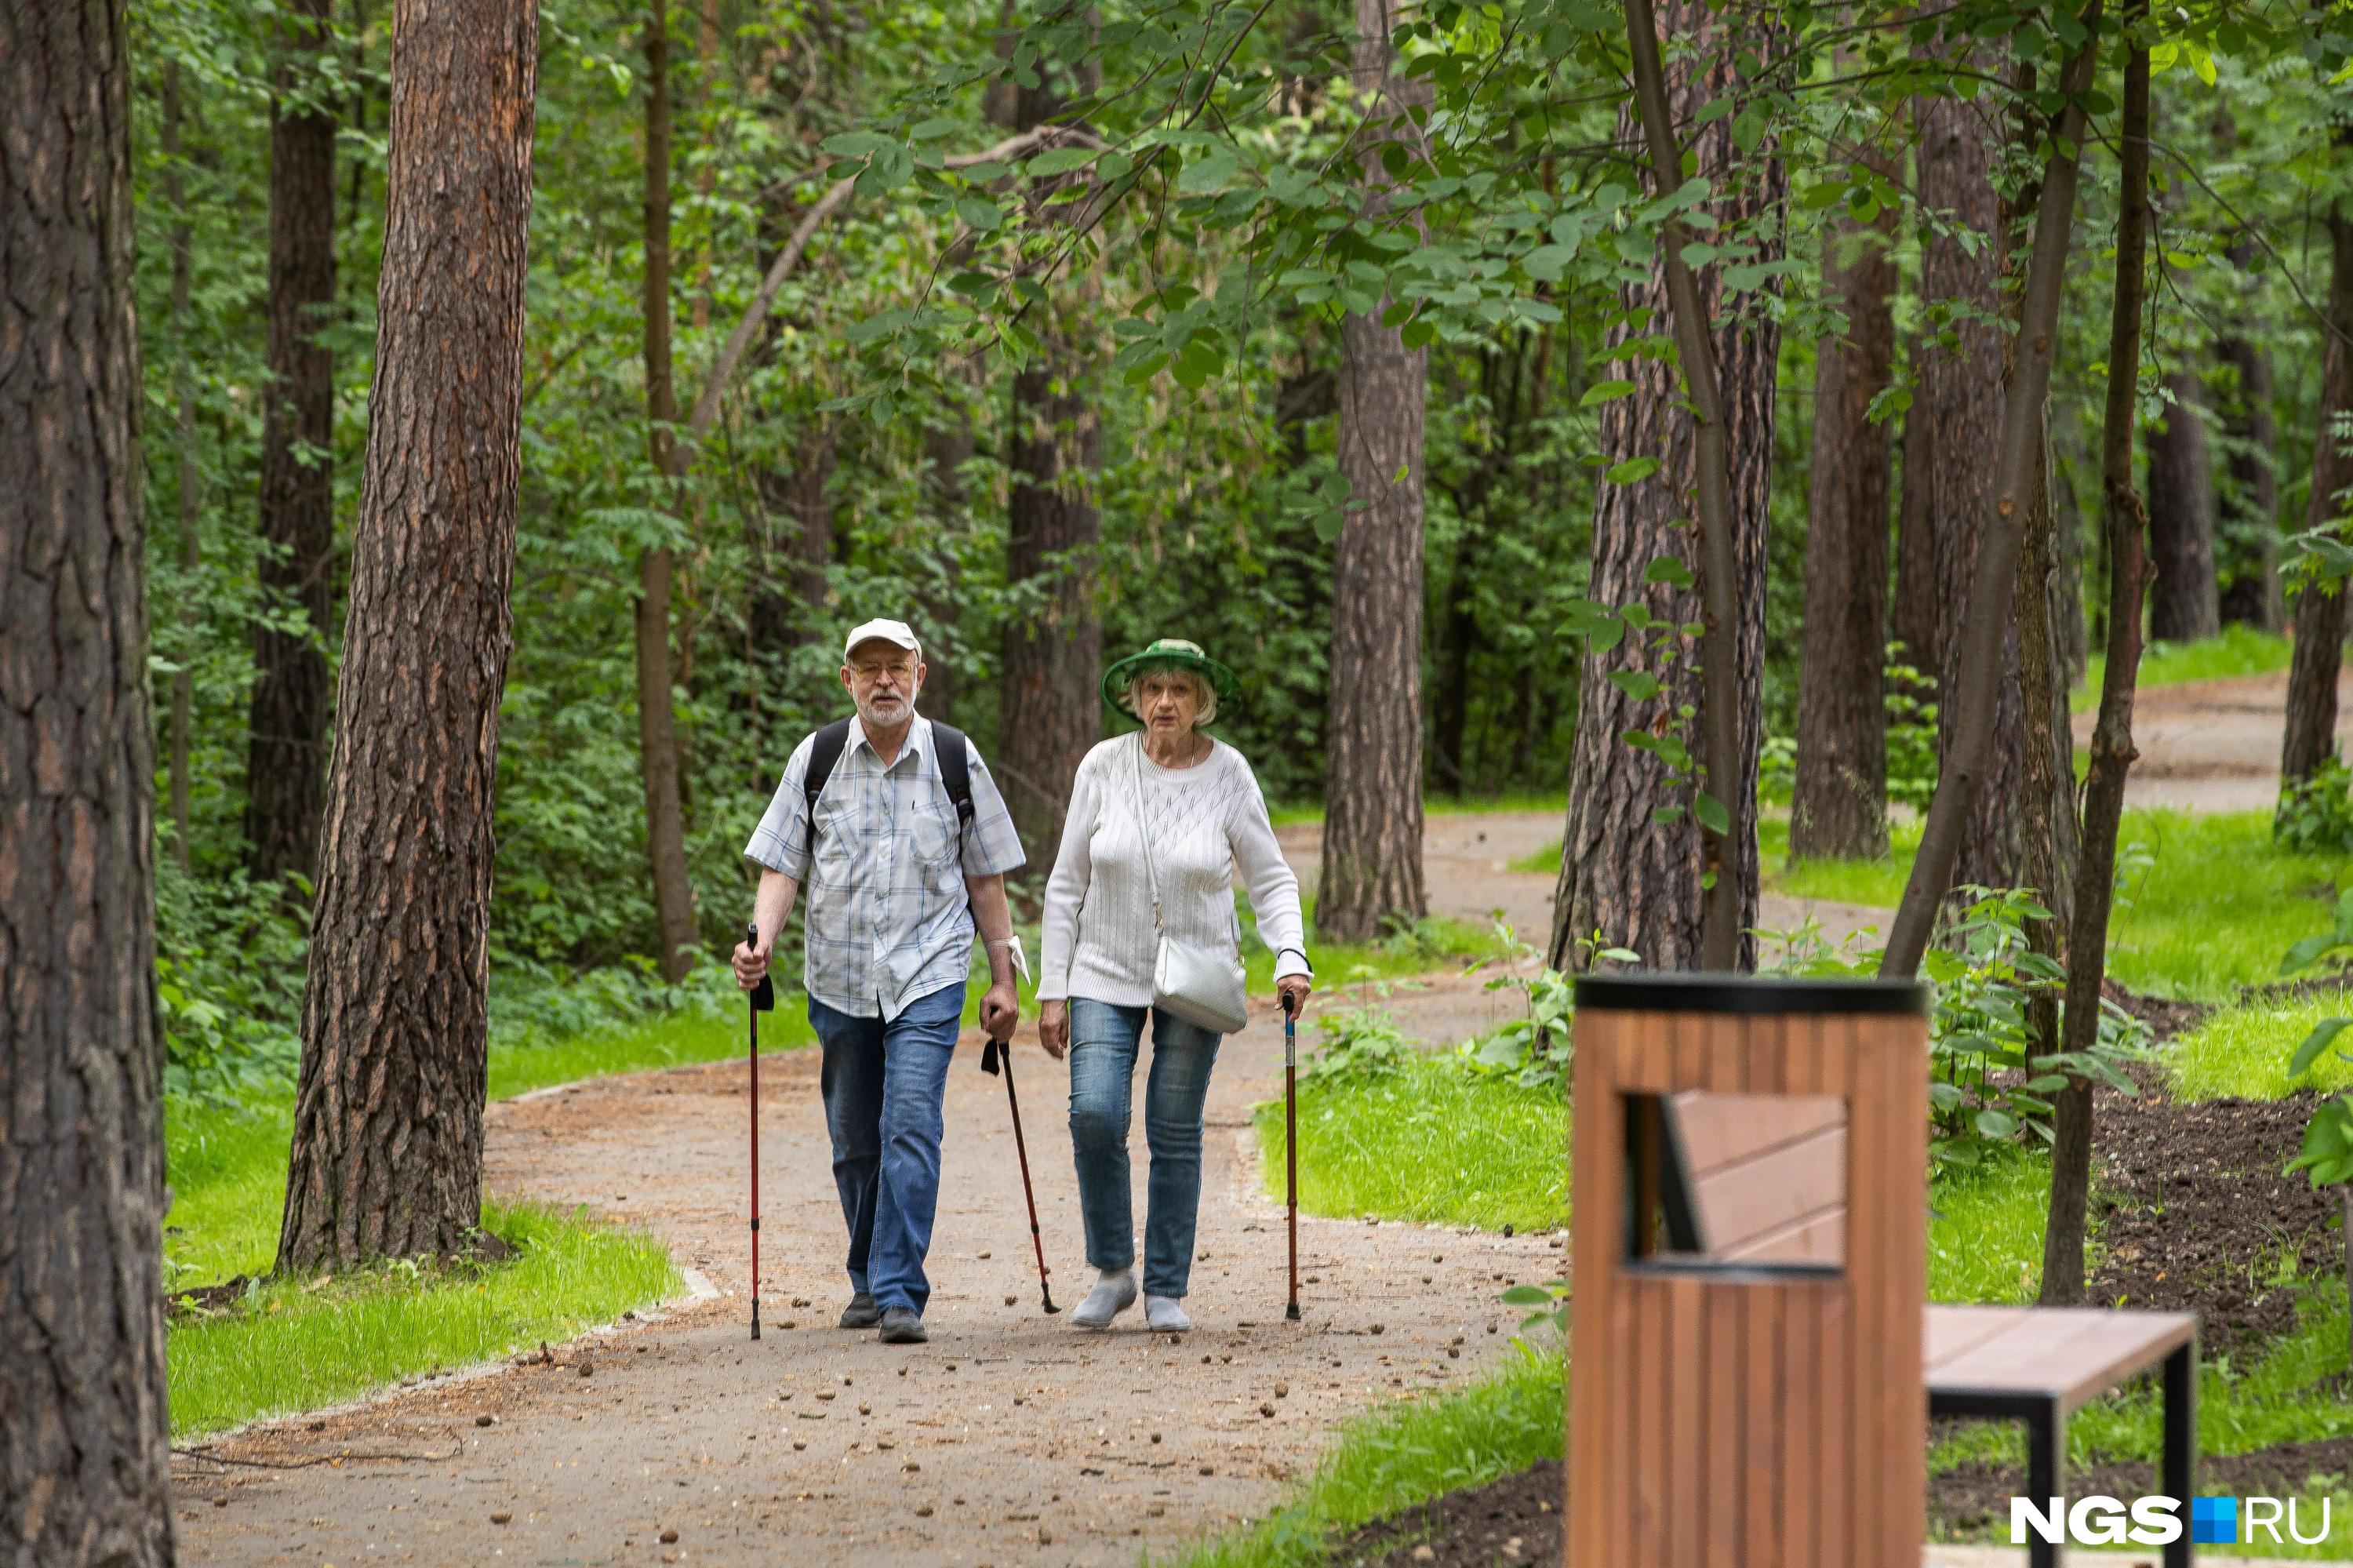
[1440,806]
[1430,1143]
[2244,1051]
[287,1348]
[1437,942]
[665,1043]
[2239,650]
[1870,882]
[1985,1231]
[2207,902]
[1408,1452]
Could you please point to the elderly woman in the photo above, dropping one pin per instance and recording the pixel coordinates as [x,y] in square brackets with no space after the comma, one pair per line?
[1159,824]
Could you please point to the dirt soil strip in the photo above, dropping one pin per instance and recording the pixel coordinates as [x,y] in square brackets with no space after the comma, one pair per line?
[1011,1437]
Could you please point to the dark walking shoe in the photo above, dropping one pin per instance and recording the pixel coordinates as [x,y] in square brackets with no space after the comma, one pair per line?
[903,1326]
[861,1312]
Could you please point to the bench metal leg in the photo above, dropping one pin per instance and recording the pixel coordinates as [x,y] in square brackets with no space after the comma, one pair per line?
[2046,1449]
[2181,1443]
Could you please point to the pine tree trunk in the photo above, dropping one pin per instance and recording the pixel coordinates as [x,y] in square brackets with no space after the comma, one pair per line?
[387,1149]
[1630,879]
[1913,626]
[1456,635]
[948,445]
[2250,505]
[1049,710]
[85,1462]
[285,771]
[2309,742]
[1972,700]
[2184,604]
[1839,807]
[1958,401]
[191,475]
[657,743]
[1372,793]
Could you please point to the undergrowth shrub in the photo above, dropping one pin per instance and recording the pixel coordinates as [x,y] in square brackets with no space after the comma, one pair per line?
[229,963]
[2316,816]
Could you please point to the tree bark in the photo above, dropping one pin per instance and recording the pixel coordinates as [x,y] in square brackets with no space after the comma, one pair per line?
[1458,631]
[190,474]
[387,1149]
[1625,877]
[788,610]
[1839,807]
[2309,742]
[285,770]
[84,1461]
[1913,626]
[2185,604]
[1972,699]
[2112,742]
[1959,401]
[658,762]
[1049,711]
[948,445]
[2250,502]
[1372,796]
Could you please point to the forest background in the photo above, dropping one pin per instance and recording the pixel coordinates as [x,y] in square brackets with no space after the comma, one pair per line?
[1042,423]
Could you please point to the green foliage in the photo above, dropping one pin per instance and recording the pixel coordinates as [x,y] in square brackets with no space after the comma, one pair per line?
[1910,734]
[1987,1088]
[2316,814]
[1362,1043]
[2326,1157]
[229,970]
[1537,1049]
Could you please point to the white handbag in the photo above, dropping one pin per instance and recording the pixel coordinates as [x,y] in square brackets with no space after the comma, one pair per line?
[1200,985]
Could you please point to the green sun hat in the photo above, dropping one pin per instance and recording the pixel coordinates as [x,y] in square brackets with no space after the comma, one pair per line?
[1168,653]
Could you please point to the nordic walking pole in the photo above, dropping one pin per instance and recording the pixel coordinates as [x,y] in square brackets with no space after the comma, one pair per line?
[1003,1049]
[762,999]
[1290,1141]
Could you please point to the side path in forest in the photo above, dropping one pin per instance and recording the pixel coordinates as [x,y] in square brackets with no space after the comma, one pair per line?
[1011,1437]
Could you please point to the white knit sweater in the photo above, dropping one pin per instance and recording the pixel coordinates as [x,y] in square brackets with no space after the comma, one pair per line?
[1205,820]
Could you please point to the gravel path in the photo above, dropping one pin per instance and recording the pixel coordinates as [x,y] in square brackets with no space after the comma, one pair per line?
[2213,746]
[1011,1437]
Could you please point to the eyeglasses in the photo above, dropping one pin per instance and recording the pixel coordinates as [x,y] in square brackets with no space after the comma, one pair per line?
[903,670]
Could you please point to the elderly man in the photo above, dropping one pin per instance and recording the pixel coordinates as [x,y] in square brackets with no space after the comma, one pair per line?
[899,832]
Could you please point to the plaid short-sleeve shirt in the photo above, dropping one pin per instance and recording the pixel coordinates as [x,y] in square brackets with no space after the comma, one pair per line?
[887,918]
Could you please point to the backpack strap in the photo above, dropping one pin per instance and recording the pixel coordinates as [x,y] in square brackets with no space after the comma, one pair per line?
[955,771]
[948,745]
[829,743]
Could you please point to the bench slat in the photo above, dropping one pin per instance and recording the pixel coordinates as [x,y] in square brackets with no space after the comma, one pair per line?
[2071,1355]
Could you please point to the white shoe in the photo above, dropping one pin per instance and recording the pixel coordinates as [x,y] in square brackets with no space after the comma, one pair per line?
[1167,1314]
[1113,1293]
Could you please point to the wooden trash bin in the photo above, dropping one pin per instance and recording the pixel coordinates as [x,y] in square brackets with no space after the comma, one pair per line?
[1750,1200]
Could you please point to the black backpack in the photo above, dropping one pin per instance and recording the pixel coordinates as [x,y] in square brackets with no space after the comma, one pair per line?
[947,746]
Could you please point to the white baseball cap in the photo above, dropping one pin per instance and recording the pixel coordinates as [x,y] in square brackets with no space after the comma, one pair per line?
[892,632]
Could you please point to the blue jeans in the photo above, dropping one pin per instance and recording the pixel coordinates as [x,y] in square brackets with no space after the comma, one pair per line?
[1104,1043]
[883,1084]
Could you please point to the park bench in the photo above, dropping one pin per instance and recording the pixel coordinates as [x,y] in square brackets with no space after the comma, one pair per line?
[1760,1179]
[1765,1191]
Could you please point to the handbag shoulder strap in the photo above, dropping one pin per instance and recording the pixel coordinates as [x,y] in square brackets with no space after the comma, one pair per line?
[1144,832]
